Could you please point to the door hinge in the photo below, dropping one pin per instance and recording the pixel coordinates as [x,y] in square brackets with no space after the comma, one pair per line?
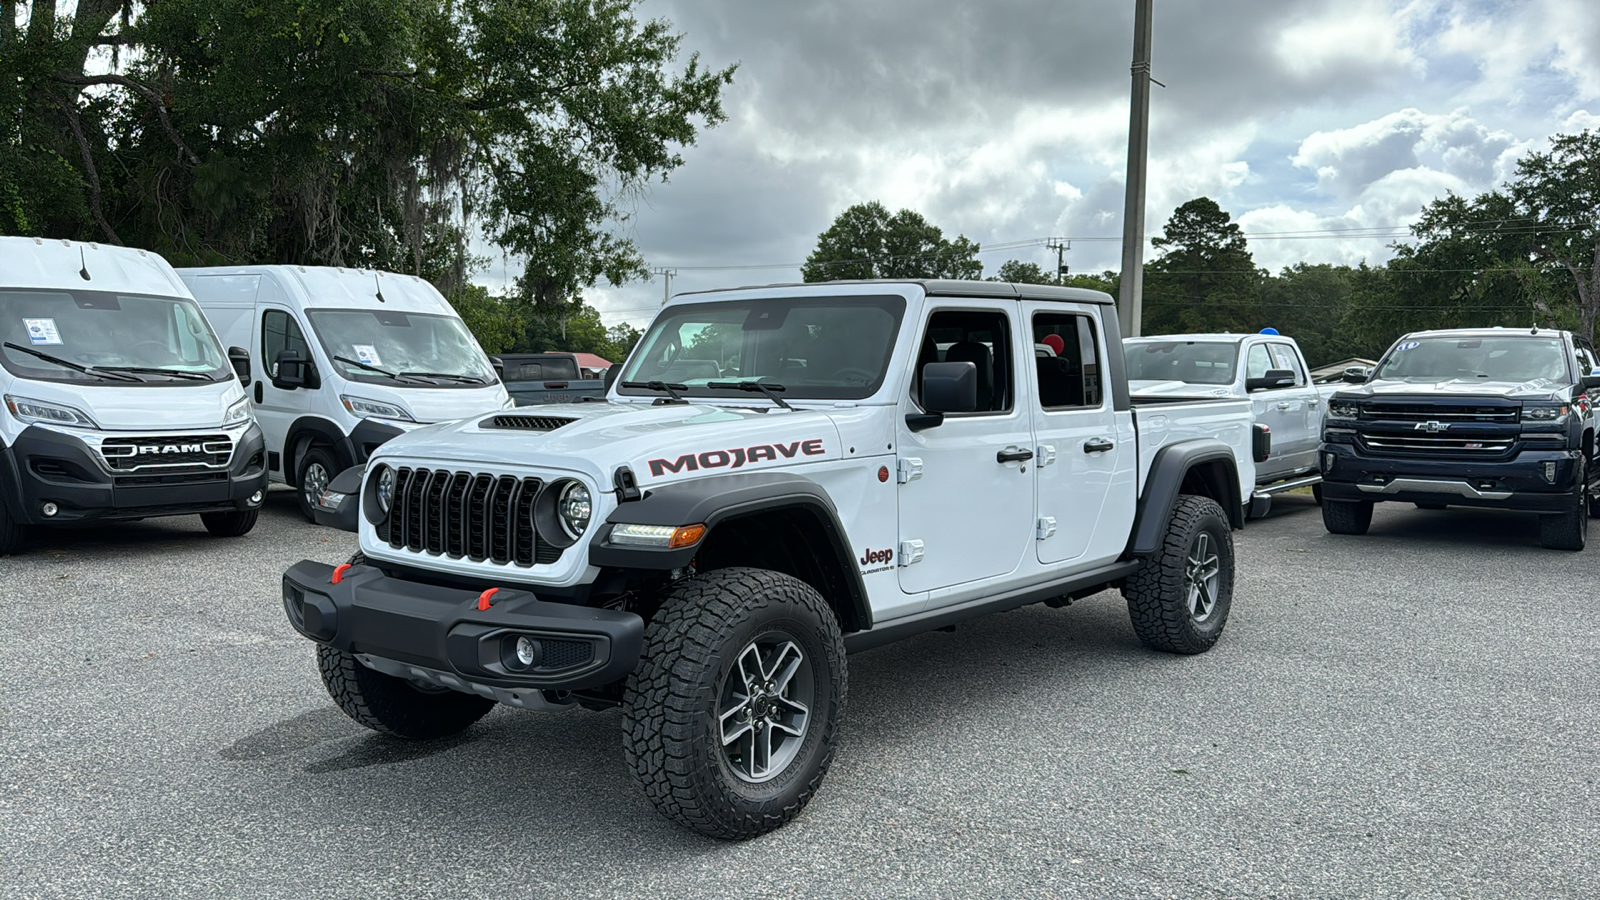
[1047,527]
[909,469]
[1046,455]
[910,553]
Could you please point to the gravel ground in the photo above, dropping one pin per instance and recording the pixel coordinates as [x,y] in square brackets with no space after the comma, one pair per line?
[1411,713]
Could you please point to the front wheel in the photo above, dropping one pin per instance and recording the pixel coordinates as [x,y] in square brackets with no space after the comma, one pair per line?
[394,706]
[316,469]
[1564,531]
[730,719]
[230,524]
[1347,516]
[11,535]
[1180,597]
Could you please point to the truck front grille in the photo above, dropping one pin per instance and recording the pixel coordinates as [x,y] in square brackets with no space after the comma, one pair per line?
[1437,445]
[466,515]
[1396,411]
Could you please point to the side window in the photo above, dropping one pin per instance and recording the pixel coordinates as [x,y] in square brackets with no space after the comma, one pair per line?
[1067,358]
[976,336]
[1586,361]
[1283,357]
[1257,362]
[279,331]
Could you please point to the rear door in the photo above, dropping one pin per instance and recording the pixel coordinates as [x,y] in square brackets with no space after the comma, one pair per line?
[966,492]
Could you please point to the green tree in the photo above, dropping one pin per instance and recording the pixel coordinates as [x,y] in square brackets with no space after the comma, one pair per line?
[1205,278]
[349,132]
[866,241]
[1558,195]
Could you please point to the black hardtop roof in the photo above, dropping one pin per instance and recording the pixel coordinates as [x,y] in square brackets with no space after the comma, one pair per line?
[951,287]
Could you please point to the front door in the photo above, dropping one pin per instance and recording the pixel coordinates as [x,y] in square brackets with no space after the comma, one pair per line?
[966,497]
[1277,410]
[277,409]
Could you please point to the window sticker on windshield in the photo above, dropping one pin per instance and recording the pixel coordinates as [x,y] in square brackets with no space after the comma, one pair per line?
[367,354]
[1409,345]
[42,331]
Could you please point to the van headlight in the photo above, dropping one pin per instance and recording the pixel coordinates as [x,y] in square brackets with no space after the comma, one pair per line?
[237,414]
[374,409]
[28,410]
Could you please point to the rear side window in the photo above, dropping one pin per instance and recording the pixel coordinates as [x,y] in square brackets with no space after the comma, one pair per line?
[1067,358]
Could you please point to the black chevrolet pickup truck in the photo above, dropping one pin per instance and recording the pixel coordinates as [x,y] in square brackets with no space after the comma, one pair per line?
[1486,417]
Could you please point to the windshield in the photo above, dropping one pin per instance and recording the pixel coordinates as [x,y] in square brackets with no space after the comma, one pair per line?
[1195,362]
[1510,359]
[832,348]
[381,346]
[154,340]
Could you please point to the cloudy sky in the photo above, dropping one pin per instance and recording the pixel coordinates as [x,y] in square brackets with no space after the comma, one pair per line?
[1322,125]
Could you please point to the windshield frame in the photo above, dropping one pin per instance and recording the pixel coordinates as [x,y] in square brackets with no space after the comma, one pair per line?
[39,370]
[1131,347]
[1412,342]
[358,375]
[678,315]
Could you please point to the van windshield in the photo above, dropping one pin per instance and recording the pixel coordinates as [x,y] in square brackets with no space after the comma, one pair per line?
[126,338]
[833,348]
[415,349]
[1193,362]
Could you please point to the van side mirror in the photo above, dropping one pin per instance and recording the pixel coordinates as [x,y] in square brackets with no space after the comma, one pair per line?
[1274,378]
[292,371]
[240,358]
[1357,375]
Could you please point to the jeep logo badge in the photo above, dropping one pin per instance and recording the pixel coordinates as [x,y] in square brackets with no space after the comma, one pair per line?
[1432,427]
[153,449]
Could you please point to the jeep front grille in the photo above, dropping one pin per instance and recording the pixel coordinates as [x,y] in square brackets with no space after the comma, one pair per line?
[466,515]
[205,451]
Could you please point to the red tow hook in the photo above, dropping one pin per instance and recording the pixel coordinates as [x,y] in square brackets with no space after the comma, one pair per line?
[338,573]
[483,598]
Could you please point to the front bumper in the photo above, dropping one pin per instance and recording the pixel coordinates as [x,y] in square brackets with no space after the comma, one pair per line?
[48,466]
[442,629]
[1518,483]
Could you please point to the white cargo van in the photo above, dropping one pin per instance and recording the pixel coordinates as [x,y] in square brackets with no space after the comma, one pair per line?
[344,360]
[118,401]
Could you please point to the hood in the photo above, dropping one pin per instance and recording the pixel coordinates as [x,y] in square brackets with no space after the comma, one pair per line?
[1458,387]
[660,443]
[437,404]
[180,407]
[1177,389]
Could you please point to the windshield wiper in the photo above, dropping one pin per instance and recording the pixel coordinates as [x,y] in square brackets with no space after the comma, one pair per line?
[175,373]
[671,390]
[397,376]
[469,379]
[87,370]
[752,387]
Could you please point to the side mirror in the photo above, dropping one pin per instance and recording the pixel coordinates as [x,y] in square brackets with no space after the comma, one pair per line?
[1357,375]
[240,358]
[499,367]
[1275,378]
[291,370]
[339,504]
[1591,382]
[611,375]
[950,387]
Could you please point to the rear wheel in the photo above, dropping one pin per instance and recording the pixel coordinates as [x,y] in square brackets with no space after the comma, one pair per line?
[230,524]
[394,706]
[1347,516]
[11,535]
[1180,597]
[316,469]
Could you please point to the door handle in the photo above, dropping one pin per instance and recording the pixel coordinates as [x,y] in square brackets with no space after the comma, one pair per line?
[258,391]
[1013,454]
[1313,401]
[1097,445]
[1284,404]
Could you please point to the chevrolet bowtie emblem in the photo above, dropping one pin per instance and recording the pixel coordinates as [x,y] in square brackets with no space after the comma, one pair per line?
[1432,427]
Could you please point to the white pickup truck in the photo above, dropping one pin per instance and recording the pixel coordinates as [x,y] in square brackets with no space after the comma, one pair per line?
[870,461]
[1267,369]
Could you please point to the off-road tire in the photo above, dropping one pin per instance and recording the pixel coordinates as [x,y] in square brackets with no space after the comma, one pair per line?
[1158,593]
[1564,531]
[317,454]
[394,706]
[671,730]
[1347,516]
[11,533]
[230,524]
[1316,493]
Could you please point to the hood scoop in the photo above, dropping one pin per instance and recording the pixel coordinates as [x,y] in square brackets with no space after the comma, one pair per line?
[525,423]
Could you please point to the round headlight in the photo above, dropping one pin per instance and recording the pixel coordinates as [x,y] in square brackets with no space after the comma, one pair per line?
[385,489]
[573,509]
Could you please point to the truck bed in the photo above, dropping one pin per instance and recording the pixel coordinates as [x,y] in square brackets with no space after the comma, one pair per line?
[1167,420]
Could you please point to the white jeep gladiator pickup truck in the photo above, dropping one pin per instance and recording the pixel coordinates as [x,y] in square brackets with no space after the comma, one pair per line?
[872,460]
[1267,369]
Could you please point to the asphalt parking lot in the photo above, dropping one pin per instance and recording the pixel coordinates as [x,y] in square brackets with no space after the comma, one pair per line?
[1409,713]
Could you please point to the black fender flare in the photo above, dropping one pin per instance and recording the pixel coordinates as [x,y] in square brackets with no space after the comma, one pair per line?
[307,429]
[711,501]
[1170,467]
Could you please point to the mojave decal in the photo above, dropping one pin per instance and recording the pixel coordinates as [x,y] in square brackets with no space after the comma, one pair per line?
[736,457]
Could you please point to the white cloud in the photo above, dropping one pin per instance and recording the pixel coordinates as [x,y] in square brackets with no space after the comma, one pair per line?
[1356,34]
[1349,161]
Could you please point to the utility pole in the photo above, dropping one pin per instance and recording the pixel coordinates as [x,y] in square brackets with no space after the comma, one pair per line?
[1131,296]
[666,288]
[1060,246]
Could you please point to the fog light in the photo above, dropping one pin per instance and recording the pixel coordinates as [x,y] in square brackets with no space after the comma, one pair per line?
[1550,472]
[527,651]
[49,509]
[256,497]
[1327,463]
